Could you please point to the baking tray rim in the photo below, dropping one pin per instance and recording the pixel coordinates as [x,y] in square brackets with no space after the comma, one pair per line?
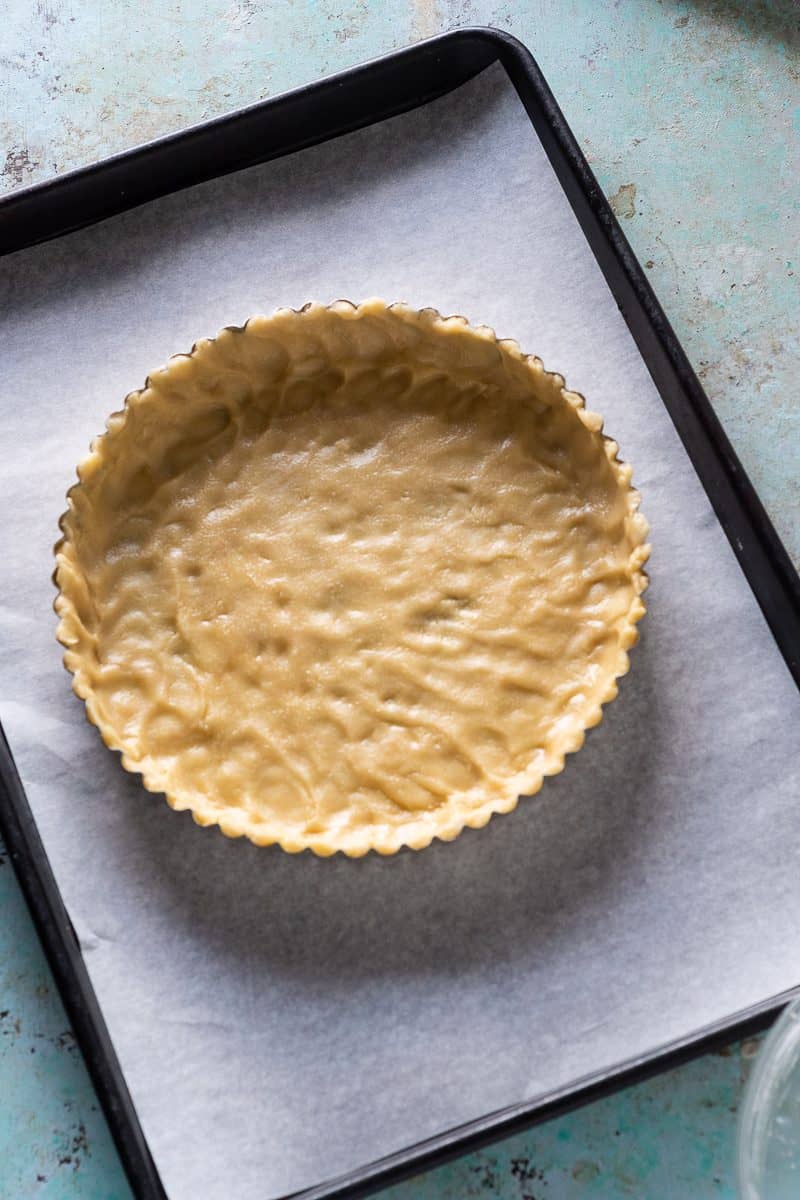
[772,577]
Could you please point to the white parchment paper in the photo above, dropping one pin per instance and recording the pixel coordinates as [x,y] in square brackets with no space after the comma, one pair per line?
[281,1020]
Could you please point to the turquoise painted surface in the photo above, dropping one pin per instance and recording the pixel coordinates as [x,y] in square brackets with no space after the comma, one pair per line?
[689,112]
[54,1143]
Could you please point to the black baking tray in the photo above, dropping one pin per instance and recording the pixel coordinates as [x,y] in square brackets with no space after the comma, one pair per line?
[396,83]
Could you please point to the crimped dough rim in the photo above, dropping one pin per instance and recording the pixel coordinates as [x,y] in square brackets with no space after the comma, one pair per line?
[450,821]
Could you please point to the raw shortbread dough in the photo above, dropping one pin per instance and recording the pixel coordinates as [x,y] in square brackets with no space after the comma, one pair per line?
[350,578]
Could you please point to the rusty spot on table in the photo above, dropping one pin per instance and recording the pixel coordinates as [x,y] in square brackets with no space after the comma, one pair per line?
[623,201]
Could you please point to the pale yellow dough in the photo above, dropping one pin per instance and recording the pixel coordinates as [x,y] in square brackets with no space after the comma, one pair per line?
[349,578]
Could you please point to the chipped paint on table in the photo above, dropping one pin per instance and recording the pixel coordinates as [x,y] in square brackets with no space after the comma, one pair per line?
[689,113]
[54,1144]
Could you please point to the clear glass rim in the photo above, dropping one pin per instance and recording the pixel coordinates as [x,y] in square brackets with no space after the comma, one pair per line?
[777,1059]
